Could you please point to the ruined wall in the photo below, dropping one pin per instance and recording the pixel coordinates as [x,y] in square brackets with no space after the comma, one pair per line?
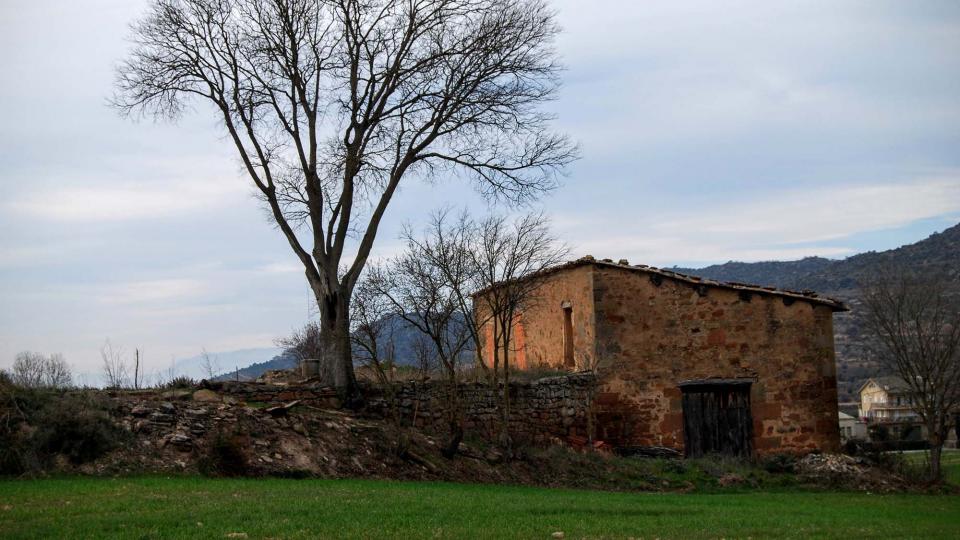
[275,394]
[541,411]
[539,329]
[651,337]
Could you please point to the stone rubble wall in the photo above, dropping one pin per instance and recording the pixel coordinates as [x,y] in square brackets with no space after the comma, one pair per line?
[276,394]
[543,411]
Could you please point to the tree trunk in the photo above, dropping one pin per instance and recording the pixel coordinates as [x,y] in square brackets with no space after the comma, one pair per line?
[935,452]
[337,358]
[936,449]
[505,441]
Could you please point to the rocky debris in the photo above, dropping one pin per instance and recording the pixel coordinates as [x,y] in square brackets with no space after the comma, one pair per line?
[558,535]
[181,440]
[206,395]
[282,410]
[279,376]
[830,464]
[140,411]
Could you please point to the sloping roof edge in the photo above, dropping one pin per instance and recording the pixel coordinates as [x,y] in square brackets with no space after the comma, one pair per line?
[806,296]
[888,383]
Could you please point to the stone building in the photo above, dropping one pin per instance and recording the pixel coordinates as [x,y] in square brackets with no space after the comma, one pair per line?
[684,362]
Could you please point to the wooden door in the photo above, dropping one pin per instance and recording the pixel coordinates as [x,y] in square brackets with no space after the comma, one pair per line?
[717,419]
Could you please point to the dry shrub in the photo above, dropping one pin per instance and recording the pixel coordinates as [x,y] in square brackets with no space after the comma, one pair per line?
[39,425]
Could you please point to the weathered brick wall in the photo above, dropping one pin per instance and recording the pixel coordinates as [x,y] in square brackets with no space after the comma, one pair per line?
[540,411]
[651,337]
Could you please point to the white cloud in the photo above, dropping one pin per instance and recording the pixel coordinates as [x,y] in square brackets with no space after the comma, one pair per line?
[152,291]
[805,216]
[782,225]
[127,201]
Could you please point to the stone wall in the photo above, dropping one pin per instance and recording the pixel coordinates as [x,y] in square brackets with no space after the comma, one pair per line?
[542,411]
[644,333]
[654,334]
[275,394]
[538,338]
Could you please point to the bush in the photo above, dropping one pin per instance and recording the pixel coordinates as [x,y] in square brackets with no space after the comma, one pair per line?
[779,463]
[37,426]
[224,457]
[180,381]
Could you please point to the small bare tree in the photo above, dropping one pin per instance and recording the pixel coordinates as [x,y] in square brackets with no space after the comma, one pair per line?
[420,294]
[35,370]
[332,103]
[27,370]
[915,319]
[508,257]
[447,245]
[209,363]
[115,370]
[306,344]
[373,332]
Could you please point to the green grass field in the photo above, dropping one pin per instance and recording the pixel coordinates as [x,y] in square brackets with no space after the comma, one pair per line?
[277,508]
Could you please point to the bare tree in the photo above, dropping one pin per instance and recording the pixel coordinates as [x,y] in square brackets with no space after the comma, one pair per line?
[331,103]
[447,245]
[420,294]
[210,364]
[915,319]
[373,332]
[305,342]
[57,373]
[35,370]
[27,370]
[115,370]
[508,257]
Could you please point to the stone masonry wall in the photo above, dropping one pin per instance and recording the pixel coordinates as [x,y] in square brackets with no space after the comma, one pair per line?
[651,336]
[538,338]
[549,409]
[541,411]
[276,394]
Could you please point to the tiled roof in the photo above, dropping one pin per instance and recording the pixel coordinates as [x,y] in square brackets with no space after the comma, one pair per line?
[806,296]
[890,383]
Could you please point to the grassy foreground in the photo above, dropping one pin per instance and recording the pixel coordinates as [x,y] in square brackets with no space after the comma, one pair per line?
[278,508]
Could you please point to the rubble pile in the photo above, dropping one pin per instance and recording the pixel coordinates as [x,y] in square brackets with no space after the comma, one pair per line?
[830,464]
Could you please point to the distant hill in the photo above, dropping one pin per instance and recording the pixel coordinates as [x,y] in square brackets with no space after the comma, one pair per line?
[284,360]
[226,360]
[939,253]
[776,273]
[404,340]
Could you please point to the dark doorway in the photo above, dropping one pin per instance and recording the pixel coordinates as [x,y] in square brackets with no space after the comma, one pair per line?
[716,417]
[568,360]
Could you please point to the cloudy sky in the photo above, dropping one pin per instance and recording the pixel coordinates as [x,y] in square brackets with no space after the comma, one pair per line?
[710,131]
